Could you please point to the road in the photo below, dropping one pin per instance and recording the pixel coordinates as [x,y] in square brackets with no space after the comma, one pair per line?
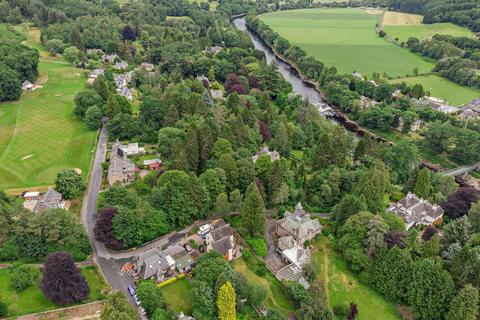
[107,264]
[462,170]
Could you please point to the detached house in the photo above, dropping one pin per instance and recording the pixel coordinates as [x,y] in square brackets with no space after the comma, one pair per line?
[121,168]
[109,58]
[415,211]
[274,155]
[153,264]
[38,203]
[27,85]
[121,65]
[147,66]
[222,240]
[293,231]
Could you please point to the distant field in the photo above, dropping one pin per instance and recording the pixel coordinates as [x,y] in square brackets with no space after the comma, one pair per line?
[442,88]
[39,135]
[404,25]
[345,38]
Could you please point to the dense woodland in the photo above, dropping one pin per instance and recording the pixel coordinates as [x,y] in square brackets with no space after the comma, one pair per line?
[462,12]
[206,147]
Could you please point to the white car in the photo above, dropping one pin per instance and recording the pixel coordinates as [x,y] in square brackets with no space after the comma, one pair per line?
[204,229]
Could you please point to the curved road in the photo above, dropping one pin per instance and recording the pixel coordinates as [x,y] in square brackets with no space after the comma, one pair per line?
[108,265]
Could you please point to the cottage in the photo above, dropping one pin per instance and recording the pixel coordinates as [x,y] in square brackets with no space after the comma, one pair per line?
[153,264]
[415,211]
[27,85]
[121,65]
[222,240]
[274,155]
[96,73]
[131,149]
[121,170]
[91,52]
[147,66]
[152,164]
[212,50]
[39,203]
[217,94]
[125,92]
[110,58]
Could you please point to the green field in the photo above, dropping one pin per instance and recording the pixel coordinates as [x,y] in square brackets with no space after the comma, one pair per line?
[39,135]
[442,88]
[425,31]
[346,39]
[32,299]
[178,296]
[344,287]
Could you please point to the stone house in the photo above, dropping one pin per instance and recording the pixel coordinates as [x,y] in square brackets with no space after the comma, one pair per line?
[49,200]
[222,240]
[121,170]
[153,264]
[274,155]
[416,211]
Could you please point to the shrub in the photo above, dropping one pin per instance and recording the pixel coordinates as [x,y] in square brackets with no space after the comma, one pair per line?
[259,246]
[23,276]
[341,310]
[325,232]
[3,309]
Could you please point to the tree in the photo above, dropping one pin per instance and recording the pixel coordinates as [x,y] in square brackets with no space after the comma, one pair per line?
[459,202]
[352,314]
[474,216]
[151,296]
[202,301]
[54,46]
[128,227]
[430,290]
[128,33]
[10,86]
[69,183]
[376,230]
[72,54]
[274,314]
[236,200]
[222,206]
[373,185]
[23,276]
[93,117]
[296,291]
[85,99]
[458,231]
[103,229]
[464,306]
[252,213]
[423,184]
[214,182]
[315,306]
[3,309]
[118,308]
[75,38]
[349,205]
[210,266]
[401,159]
[62,282]
[228,164]
[226,302]
[382,33]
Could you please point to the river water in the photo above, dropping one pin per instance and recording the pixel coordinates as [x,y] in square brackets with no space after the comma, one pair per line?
[299,87]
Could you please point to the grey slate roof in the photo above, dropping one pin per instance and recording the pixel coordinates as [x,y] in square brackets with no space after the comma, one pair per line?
[414,210]
[50,200]
[299,225]
[151,263]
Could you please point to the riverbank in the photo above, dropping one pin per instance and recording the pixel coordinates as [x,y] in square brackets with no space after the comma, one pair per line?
[294,70]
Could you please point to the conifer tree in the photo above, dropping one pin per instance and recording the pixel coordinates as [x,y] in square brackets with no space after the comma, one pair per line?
[226,302]
[252,212]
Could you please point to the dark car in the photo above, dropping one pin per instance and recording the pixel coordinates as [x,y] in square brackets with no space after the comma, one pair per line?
[187,247]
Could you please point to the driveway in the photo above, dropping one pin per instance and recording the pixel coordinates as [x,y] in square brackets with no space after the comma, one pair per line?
[273,258]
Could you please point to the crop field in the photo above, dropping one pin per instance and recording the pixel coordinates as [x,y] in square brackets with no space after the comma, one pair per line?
[39,135]
[442,88]
[404,25]
[345,38]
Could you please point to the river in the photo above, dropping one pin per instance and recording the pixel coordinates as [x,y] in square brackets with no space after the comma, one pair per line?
[291,75]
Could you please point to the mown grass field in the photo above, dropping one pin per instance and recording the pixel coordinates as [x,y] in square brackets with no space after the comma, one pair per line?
[178,295]
[404,25]
[32,299]
[345,38]
[39,135]
[442,88]
[344,287]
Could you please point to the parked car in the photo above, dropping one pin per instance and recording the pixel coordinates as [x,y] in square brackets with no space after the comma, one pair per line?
[204,229]
[137,302]
[187,247]
[131,290]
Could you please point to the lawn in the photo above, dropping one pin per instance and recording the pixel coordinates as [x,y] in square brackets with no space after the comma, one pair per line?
[39,135]
[344,287]
[442,88]
[275,295]
[403,25]
[345,38]
[178,296]
[32,299]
